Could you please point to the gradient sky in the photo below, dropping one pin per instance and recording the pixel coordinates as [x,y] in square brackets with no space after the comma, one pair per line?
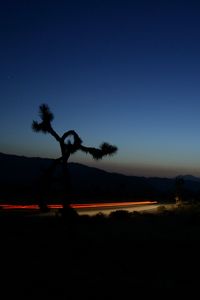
[124,72]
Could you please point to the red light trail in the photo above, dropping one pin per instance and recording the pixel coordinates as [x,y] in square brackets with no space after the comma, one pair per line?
[76,206]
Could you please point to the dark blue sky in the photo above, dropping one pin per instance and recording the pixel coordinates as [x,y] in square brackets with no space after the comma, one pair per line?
[125,72]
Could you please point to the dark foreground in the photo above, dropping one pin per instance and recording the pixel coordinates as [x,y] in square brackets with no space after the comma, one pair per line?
[99,257]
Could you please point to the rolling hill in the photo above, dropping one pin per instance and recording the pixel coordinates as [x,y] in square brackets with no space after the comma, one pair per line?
[20,180]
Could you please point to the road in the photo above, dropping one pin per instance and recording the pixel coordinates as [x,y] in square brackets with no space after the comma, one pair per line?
[108,210]
[94,208]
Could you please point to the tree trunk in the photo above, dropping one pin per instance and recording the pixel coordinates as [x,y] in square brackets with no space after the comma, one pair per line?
[68,212]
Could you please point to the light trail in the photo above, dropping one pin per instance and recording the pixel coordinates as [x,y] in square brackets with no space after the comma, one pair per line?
[19,206]
[111,204]
[77,206]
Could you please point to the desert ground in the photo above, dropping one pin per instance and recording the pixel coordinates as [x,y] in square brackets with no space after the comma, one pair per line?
[97,256]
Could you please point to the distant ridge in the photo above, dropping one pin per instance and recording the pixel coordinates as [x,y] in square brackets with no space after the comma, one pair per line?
[189,177]
[19,176]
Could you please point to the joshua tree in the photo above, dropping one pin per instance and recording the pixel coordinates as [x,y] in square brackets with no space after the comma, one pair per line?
[179,182]
[67,147]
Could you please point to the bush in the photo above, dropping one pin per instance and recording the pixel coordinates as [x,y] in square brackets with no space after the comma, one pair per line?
[161,209]
[120,215]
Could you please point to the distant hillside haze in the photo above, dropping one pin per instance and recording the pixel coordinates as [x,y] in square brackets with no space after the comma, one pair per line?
[20,177]
[190,177]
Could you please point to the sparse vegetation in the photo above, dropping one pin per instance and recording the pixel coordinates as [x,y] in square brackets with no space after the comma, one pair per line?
[161,209]
[102,249]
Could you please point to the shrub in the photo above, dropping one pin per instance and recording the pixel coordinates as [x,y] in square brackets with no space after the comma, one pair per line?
[161,209]
[120,215]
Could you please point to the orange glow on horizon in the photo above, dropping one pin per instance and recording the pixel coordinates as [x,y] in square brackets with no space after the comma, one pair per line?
[77,206]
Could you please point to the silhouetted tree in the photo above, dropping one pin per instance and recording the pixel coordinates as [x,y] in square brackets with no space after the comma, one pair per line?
[179,182]
[67,147]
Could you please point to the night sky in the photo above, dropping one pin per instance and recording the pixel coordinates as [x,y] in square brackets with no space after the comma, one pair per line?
[123,72]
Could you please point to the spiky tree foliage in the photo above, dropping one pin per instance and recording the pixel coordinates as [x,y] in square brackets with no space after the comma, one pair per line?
[69,148]
[46,117]
[98,153]
[66,146]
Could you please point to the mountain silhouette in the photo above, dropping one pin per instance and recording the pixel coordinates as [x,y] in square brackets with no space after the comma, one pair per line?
[19,177]
[190,177]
